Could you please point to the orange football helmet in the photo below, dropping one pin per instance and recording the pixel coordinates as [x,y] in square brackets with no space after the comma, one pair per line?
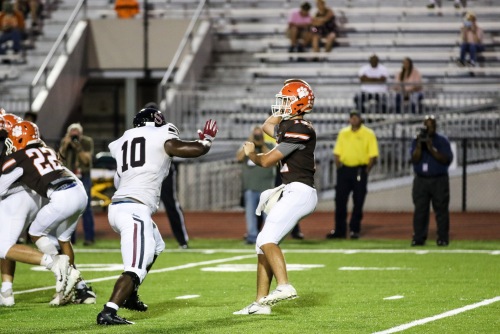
[21,135]
[10,120]
[295,98]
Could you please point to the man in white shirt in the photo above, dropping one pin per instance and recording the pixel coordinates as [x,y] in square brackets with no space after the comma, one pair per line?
[373,78]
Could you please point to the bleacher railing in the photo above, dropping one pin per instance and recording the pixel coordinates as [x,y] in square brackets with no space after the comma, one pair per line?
[60,47]
[236,110]
[220,187]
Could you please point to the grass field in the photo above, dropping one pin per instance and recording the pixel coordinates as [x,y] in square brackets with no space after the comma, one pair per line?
[344,287]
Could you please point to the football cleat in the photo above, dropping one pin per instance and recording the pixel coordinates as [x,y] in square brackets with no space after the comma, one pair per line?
[133,303]
[60,268]
[111,318]
[7,298]
[85,296]
[282,292]
[254,308]
[73,278]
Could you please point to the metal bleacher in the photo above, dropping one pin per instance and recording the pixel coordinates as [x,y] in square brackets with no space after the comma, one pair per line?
[250,60]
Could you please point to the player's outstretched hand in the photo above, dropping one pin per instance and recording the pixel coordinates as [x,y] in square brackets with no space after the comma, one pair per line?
[209,131]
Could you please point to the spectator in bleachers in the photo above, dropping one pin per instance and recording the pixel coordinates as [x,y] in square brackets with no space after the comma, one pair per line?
[126,9]
[408,85]
[31,7]
[458,4]
[323,27]
[12,27]
[373,78]
[299,28]
[471,40]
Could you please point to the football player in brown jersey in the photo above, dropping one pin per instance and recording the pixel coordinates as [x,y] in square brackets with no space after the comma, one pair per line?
[296,142]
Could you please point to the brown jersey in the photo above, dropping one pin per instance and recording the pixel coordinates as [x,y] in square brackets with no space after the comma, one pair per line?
[298,166]
[41,168]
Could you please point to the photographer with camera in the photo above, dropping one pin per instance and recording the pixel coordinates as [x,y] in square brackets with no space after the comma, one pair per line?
[76,152]
[256,179]
[431,156]
[471,37]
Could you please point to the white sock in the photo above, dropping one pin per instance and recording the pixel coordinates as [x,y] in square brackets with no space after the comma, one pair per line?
[112,305]
[46,246]
[47,261]
[6,286]
[81,284]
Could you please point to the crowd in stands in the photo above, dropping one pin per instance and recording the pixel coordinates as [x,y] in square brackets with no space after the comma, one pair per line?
[14,34]
[313,31]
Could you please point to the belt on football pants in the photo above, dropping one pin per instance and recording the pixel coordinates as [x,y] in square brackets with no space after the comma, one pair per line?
[122,201]
[65,186]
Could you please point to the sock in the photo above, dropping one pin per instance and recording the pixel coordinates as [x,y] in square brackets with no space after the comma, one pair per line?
[112,306]
[81,285]
[47,261]
[6,286]
[46,246]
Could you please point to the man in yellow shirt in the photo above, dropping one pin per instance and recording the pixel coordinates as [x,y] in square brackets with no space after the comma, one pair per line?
[355,151]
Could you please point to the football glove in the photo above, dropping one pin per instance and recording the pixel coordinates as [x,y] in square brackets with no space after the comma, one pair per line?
[209,131]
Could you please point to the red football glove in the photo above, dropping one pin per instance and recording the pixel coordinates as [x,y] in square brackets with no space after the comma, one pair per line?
[209,131]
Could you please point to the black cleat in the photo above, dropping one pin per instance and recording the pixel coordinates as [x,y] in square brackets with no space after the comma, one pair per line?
[417,243]
[335,235]
[442,243]
[85,296]
[133,303]
[111,318]
[354,235]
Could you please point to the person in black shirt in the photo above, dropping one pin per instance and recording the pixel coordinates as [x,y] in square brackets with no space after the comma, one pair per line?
[431,156]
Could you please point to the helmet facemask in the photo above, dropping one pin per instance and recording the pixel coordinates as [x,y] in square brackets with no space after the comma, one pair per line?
[283,106]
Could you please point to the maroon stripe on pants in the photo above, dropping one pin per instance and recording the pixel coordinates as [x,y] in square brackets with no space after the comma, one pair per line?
[135,245]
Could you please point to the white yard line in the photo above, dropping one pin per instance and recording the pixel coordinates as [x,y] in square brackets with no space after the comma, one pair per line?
[451,313]
[314,251]
[184,266]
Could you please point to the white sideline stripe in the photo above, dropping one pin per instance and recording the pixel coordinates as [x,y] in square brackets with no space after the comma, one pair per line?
[184,266]
[439,316]
[314,251]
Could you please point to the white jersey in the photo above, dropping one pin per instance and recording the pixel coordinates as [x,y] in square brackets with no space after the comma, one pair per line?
[142,163]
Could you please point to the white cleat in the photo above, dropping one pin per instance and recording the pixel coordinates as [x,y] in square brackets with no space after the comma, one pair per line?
[56,299]
[254,308]
[61,269]
[72,278]
[282,292]
[7,298]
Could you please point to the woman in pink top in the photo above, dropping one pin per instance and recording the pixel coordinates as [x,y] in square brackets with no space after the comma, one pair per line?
[472,40]
[299,23]
[408,85]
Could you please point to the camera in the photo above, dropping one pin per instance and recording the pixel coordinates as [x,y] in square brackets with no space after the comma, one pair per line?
[422,135]
[74,139]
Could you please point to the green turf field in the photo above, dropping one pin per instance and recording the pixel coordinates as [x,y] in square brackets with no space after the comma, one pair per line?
[344,287]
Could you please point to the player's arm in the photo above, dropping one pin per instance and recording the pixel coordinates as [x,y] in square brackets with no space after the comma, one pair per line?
[270,124]
[7,179]
[187,149]
[268,159]
[192,149]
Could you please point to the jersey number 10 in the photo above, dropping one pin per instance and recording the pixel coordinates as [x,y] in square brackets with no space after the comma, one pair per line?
[137,145]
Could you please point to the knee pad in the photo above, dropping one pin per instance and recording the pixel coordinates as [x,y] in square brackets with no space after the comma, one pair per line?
[135,278]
